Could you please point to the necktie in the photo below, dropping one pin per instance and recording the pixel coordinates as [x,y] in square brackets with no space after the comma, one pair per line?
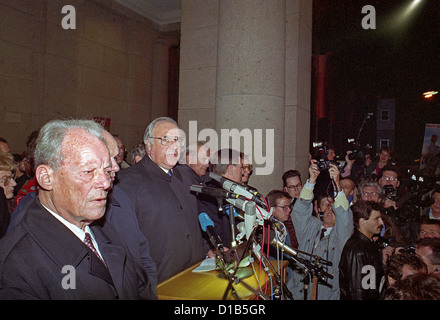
[170,172]
[88,242]
[323,230]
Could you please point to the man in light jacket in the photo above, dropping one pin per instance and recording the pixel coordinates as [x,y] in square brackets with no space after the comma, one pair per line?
[324,239]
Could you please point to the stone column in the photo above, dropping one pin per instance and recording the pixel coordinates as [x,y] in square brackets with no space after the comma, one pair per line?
[159,92]
[251,83]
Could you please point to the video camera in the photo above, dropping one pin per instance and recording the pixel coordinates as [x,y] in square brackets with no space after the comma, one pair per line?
[358,153]
[413,202]
[321,155]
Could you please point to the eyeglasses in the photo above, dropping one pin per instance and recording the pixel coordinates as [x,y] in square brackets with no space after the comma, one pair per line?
[295,187]
[284,208]
[249,168]
[7,180]
[388,179]
[166,141]
[369,194]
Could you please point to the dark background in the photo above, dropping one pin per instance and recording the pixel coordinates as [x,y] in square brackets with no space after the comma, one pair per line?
[396,60]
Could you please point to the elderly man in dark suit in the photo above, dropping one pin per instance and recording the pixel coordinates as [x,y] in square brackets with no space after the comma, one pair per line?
[57,251]
[166,210]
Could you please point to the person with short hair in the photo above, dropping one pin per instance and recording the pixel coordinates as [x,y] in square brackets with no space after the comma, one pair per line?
[429,250]
[401,265]
[60,226]
[361,272]
[419,286]
[324,239]
[292,184]
[166,210]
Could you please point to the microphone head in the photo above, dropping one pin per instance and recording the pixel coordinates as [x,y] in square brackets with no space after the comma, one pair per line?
[205,221]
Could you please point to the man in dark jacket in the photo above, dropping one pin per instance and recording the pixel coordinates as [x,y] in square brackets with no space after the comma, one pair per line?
[59,250]
[361,272]
[160,194]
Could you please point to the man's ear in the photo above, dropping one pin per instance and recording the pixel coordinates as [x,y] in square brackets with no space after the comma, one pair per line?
[44,176]
[147,145]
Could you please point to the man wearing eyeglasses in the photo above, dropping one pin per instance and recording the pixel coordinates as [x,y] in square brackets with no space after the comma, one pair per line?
[166,210]
[292,184]
[391,232]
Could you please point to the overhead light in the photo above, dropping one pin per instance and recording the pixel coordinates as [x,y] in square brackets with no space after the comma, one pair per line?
[429,94]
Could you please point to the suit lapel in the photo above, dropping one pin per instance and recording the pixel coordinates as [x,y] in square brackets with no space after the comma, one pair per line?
[114,256]
[59,243]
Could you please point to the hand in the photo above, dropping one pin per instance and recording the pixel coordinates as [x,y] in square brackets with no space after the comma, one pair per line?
[334,175]
[386,253]
[390,203]
[313,171]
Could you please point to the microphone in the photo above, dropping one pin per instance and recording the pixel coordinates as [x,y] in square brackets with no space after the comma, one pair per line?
[208,226]
[241,204]
[215,192]
[238,189]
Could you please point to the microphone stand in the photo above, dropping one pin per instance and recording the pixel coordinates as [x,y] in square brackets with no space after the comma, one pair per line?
[234,279]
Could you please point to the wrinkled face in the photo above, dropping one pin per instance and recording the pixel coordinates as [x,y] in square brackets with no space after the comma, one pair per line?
[436,205]
[293,187]
[281,210]
[369,193]
[7,183]
[165,154]
[200,162]
[389,178]
[80,185]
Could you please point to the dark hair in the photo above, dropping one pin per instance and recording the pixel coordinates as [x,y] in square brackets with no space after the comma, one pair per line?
[290,174]
[397,261]
[274,195]
[419,286]
[434,244]
[389,168]
[432,222]
[363,209]
[224,158]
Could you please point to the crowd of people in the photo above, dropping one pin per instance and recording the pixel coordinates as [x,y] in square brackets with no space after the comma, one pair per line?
[126,224]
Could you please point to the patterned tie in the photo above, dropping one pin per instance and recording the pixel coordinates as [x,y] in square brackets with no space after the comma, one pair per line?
[88,242]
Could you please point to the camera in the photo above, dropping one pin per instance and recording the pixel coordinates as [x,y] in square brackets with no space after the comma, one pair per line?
[321,155]
[358,153]
[408,249]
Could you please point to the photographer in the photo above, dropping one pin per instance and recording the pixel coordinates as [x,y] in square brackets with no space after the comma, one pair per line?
[406,216]
[326,156]
[391,233]
[324,238]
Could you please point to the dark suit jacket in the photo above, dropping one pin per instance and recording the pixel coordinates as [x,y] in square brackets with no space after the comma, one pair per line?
[34,254]
[167,213]
[120,214]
